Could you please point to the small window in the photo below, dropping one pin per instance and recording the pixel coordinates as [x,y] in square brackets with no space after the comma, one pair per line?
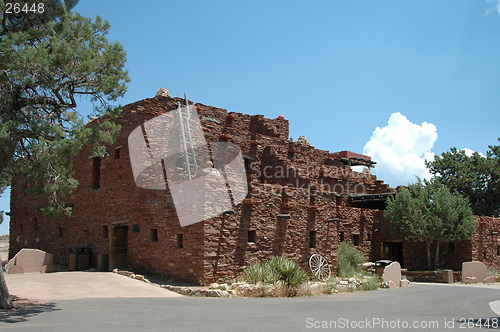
[312,239]
[136,228]
[21,231]
[341,237]
[105,232]
[312,198]
[154,235]
[35,224]
[60,232]
[96,173]
[117,153]
[180,241]
[355,239]
[484,254]
[313,191]
[498,250]
[451,247]
[284,196]
[248,164]
[252,236]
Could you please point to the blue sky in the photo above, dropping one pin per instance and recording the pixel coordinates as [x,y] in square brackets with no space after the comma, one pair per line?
[426,73]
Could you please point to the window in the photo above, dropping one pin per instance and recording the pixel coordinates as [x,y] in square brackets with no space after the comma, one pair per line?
[284,196]
[312,239]
[117,153]
[248,164]
[451,247]
[341,237]
[154,235]
[105,232]
[136,228]
[498,250]
[60,232]
[96,173]
[21,231]
[252,236]
[35,224]
[355,239]
[180,241]
[312,198]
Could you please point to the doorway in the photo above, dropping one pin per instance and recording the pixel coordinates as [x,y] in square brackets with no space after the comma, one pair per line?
[393,251]
[118,247]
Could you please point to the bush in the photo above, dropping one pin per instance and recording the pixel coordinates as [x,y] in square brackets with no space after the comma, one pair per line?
[331,285]
[254,274]
[277,270]
[287,271]
[371,283]
[349,261]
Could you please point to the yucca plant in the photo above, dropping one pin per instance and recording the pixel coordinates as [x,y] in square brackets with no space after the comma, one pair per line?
[275,269]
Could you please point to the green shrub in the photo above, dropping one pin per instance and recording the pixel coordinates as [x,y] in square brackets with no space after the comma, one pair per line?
[287,271]
[349,261]
[331,285]
[254,274]
[372,283]
[275,269]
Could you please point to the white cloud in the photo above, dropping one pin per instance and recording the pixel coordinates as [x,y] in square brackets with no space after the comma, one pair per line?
[400,150]
[469,152]
[495,8]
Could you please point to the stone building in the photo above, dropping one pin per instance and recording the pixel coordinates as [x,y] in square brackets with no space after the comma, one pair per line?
[301,201]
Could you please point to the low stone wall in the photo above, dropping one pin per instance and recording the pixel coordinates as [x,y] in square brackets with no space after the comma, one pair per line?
[430,276]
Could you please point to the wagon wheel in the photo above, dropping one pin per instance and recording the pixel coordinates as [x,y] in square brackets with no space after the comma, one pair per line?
[319,267]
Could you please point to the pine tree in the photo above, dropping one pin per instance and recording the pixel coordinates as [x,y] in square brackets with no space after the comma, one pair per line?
[48,61]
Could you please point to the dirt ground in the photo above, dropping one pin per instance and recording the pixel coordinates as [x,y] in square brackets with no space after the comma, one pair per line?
[80,285]
[44,287]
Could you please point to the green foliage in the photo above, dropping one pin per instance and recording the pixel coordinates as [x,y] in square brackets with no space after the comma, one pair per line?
[274,270]
[371,283]
[349,261]
[37,14]
[44,69]
[331,285]
[475,177]
[287,271]
[260,273]
[429,212]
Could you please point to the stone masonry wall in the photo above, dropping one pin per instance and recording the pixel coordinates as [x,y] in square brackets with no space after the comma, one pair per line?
[297,205]
[486,241]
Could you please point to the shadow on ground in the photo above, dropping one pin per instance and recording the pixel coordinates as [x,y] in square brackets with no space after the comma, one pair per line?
[23,310]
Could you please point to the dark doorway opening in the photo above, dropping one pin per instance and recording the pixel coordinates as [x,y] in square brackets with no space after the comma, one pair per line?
[118,247]
[393,251]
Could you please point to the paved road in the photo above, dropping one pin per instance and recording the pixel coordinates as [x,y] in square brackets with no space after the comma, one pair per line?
[428,306]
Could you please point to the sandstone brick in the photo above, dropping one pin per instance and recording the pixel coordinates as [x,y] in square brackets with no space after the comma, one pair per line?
[296,224]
